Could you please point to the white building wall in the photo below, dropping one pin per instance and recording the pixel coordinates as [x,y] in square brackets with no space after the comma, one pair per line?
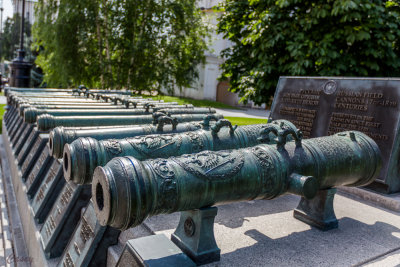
[29,9]
[206,86]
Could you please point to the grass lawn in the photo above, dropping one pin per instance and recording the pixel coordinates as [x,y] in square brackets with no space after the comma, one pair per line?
[2,110]
[245,121]
[194,102]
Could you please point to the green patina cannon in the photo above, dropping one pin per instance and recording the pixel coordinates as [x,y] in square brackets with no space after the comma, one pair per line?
[60,136]
[83,155]
[46,122]
[23,107]
[31,114]
[54,101]
[126,191]
[135,103]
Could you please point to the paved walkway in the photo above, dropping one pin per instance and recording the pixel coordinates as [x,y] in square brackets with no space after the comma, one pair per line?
[3,100]
[6,252]
[244,113]
[264,233]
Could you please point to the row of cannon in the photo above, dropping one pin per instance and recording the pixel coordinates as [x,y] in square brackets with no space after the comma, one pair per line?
[125,158]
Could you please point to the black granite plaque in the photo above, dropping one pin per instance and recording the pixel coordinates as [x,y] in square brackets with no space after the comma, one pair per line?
[322,106]
[25,138]
[25,147]
[18,131]
[89,242]
[9,115]
[12,120]
[48,191]
[13,117]
[33,154]
[38,171]
[15,127]
[63,218]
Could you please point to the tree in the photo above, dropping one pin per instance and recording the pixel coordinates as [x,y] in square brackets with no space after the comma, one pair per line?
[134,44]
[273,38]
[10,38]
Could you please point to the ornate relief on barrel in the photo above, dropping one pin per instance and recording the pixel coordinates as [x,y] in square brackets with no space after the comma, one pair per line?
[167,184]
[196,141]
[266,162]
[212,165]
[147,145]
[112,146]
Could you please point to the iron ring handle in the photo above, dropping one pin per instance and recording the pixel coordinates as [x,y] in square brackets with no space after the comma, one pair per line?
[166,120]
[265,131]
[147,106]
[157,115]
[282,136]
[222,123]
[208,118]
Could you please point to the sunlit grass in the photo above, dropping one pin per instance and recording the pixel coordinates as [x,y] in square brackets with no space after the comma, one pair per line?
[245,121]
[194,102]
[2,110]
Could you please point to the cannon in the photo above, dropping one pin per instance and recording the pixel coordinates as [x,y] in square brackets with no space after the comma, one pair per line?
[46,122]
[60,136]
[31,114]
[83,155]
[126,191]
[69,107]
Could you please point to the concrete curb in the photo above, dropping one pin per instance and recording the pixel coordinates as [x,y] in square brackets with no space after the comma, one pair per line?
[19,248]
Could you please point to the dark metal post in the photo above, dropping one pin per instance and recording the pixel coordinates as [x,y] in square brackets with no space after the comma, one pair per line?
[20,69]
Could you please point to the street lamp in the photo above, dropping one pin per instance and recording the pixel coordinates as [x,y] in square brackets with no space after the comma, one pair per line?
[20,69]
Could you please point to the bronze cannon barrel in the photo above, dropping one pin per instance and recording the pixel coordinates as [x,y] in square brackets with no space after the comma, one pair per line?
[126,191]
[69,107]
[31,114]
[83,155]
[60,136]
[56,101]
[46,122]
[135,104]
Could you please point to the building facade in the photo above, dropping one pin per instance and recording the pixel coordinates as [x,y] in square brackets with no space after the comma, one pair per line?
[29,9]
[208,86]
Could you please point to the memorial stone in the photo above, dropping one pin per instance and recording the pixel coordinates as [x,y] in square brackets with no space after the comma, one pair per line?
[322,106]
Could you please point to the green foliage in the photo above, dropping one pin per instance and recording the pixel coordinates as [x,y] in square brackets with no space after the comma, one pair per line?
[246,121]
[134,44]
[2,110]
[273,38]
[10,37]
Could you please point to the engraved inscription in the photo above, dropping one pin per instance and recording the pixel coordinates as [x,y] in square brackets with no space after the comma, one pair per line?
[304,118]
[66,195]
[50,225]
[86,230]
[304,97]
[31,155]
[367,124]
[362,101]
[68,261]
[37,167]
[21,153]
[50,177]
[40,195]
[77,250]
